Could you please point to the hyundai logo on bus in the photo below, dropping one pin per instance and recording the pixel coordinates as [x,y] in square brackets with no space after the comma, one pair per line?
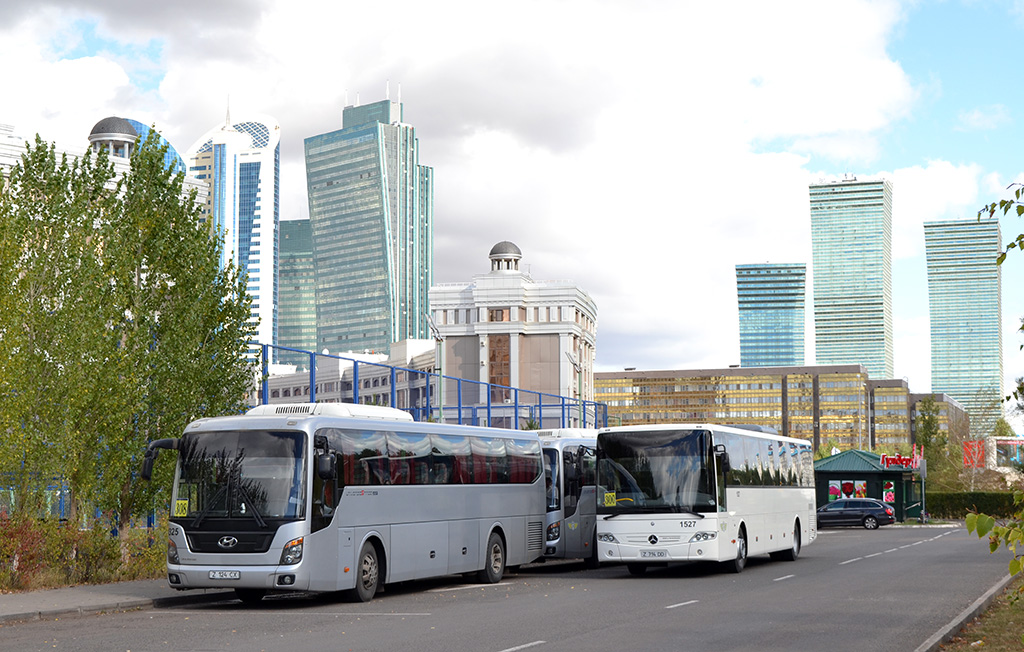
[227,542]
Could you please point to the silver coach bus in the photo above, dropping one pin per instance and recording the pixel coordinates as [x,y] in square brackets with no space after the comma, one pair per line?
[570,468]
[333,496]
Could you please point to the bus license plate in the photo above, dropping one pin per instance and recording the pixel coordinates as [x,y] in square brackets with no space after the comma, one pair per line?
[225,575]
[654,553]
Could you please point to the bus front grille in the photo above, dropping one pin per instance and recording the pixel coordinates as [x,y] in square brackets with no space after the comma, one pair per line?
[534,535]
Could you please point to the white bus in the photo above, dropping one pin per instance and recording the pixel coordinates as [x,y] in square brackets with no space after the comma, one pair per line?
[687,492]
[570,467]
[332,496]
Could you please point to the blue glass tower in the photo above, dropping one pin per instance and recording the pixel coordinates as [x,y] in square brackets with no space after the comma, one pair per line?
[851,238]
[771,307]
[371,217]
[241,160]
[296,313]
[964,305]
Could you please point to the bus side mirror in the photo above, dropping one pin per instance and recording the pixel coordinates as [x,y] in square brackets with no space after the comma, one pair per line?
[723,457]
[151,452]
[326,466]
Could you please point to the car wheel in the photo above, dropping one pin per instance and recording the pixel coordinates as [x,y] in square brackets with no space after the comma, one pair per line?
[870,523]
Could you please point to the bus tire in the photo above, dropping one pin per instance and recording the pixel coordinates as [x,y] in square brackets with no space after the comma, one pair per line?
[494,561]
[367,574]
[636,570]
[736,565]
[793,551]
[250,596]
[593,561]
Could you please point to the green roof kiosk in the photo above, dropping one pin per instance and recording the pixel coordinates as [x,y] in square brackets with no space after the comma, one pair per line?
[893,479]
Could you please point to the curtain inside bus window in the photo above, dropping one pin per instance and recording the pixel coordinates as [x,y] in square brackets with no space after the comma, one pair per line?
[523,460]
[451,459]
[409,458]
[364,456]
[490,465]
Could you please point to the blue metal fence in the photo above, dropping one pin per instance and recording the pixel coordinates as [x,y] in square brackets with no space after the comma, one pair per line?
[495,405]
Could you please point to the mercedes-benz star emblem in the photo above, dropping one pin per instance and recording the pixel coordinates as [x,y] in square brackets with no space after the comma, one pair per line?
[227,542]
[652,539]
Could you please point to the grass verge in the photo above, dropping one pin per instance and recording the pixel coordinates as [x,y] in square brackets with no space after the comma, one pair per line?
[1000,627]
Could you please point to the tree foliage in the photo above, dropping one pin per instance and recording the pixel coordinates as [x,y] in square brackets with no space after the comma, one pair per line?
[118,324]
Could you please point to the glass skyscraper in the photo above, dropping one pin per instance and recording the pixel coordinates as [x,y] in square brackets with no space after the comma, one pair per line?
[851,238]
[296,313]
[241,162]
[771,303]
[964,305]
[371,217]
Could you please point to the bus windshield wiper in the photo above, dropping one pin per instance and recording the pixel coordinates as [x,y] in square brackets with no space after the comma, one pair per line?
[252,506]
[209,506]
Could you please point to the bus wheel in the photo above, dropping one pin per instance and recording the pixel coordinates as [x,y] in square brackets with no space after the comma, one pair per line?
[250,596]
[367,574]
[494,561]
[794,551]
[636,569]
[736,565]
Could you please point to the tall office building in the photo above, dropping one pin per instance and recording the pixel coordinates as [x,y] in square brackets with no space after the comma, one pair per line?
[296,312]
[771,308]
[964,304]
[851,238]
[241,162]
[371,216]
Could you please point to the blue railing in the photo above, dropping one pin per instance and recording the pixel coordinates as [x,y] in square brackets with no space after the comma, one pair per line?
[495,405]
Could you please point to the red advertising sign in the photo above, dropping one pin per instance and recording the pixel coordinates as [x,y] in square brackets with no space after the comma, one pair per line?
[974,454]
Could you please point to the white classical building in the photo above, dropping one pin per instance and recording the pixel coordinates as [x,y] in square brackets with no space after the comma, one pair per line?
[505,328]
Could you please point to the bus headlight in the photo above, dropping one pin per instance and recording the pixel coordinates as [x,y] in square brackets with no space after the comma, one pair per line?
[703,536]
[172,552]
[292,553]
[607,537]
[554,530]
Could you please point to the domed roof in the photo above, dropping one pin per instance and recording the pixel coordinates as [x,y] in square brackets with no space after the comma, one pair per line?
[505,249]
[114,125]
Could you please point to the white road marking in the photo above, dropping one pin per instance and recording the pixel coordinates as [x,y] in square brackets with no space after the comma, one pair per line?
[850,561]
[463,587]
[682,604]
[784,577]
[523,647]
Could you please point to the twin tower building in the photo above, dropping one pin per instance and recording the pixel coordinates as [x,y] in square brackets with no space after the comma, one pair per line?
[356,274]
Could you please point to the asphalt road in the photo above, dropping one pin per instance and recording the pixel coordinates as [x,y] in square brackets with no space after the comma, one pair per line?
[853,589]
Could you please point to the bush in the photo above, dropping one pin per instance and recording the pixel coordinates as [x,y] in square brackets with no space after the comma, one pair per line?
[957,504]
[45,553]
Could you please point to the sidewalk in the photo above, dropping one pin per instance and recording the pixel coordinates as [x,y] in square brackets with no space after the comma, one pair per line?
[95,598]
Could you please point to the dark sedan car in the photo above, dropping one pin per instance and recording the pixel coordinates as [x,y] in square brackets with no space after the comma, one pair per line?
[856,511]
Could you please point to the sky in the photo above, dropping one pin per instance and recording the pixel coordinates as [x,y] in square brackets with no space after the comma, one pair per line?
[640,149]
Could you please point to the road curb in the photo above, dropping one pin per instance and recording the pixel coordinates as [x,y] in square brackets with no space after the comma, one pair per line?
[120,605]
[965,616]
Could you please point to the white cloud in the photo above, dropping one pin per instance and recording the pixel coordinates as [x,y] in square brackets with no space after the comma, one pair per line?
[984,118]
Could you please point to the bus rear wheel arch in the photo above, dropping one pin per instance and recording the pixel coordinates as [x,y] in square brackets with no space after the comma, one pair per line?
[791,553]
[494,559]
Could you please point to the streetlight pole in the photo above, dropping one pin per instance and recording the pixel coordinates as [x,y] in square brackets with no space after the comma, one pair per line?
[439,355]
[579,385]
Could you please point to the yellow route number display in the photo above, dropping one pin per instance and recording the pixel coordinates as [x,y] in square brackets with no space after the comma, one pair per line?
[609,499]
[181,508]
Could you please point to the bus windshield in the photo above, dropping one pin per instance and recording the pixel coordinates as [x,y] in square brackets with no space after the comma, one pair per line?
[655,471]
[251,475]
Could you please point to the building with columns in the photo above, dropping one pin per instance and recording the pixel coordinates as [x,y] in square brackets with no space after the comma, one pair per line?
[505,328]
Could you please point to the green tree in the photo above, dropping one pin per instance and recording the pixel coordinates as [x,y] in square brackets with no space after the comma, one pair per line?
[1011,532]
[944,463]
[120,325]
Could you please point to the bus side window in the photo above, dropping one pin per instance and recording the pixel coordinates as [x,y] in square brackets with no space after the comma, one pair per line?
[452,454]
